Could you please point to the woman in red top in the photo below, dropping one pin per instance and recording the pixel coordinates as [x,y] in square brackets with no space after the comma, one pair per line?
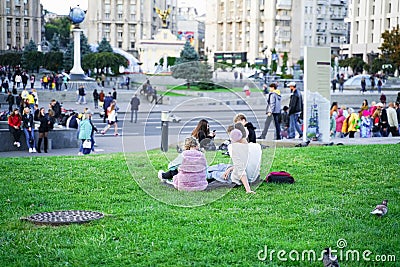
[14,123]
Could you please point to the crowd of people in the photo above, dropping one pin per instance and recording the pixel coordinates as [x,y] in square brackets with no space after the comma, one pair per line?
[376,120]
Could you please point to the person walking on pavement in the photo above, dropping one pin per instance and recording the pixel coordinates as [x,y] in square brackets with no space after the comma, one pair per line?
[114,94]
[295,109]
[107,102]
[273,111]
[11,101]
[135,102]
[96,97]
[81,93]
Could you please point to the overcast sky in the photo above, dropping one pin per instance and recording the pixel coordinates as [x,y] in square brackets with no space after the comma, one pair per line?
[61,7]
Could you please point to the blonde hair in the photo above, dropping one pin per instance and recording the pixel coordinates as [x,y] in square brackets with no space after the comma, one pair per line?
[191,142]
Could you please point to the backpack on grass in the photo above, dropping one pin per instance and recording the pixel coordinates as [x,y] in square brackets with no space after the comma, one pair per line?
[279,177]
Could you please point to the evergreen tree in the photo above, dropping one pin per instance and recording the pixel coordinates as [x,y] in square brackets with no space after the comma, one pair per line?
[284,63]
[31,58]
[104,46]
[55,43]
[85,47]
[274,63]
[188,54]
[31,46]
[187,65]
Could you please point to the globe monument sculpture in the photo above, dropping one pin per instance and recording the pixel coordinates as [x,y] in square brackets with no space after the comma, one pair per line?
[77,16]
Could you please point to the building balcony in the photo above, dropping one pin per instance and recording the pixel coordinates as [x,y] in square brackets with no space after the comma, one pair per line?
[338,31]
[322,2]
[338,3]
[283,17]
[321,31]
[321,16]
[280,38]
[337,16]
[284,4]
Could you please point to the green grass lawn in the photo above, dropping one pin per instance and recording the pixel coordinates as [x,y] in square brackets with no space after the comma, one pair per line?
[335,189]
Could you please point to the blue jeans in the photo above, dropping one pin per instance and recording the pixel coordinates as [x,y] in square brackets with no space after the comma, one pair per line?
[28,135]
[294,125]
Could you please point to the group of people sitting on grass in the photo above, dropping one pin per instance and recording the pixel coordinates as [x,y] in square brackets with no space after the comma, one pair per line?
[190,172]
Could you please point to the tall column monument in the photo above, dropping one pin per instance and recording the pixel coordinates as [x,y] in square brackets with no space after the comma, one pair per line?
[77,16]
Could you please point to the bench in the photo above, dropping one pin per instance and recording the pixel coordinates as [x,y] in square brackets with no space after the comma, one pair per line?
[65,138]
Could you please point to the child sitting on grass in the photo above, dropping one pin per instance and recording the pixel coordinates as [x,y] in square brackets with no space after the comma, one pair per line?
[191,174]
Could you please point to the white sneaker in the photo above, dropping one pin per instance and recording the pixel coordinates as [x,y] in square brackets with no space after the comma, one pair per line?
[30,150]
[34,150]
[15,143]
[18,144]
[160,172]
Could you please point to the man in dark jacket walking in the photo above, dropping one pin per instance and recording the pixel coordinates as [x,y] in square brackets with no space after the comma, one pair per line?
[295,109]
[135,102]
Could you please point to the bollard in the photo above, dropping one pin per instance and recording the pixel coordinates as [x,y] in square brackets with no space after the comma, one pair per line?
[164,130]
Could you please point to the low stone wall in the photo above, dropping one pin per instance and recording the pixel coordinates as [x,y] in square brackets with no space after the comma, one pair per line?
[58,138]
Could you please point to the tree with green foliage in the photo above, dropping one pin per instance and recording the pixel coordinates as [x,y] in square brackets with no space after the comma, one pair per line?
[104,60]
[61,27]
[85,47]
[55,43]
[31,58]
[284,63]
[104,46]
[391,46]
[31,46]
[170,61]
[53,61]
[355,63]
[187,65]
[11,58]
[68,57]
[274,63]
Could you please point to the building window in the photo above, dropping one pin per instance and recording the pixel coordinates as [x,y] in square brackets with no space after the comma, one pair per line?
[132,45]
[119,16]
[373,10]
[372,24]
[8,11]
[17,23]
[119,44]
[26,35]
[8,34]
[119,35]
[133,17]
[25,23]
[372,37]
[8,22]
[107,15]
[119,26]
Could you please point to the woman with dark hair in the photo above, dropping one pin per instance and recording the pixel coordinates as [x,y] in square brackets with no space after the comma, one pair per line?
[43,130]
[14,124]
[202,131]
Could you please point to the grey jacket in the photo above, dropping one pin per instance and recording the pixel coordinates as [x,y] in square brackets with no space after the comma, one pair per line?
[274,103]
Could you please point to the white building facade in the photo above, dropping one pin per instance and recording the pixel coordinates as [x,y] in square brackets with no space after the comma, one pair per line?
[124,22]
[257,26]
[368,19]
[20,21]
